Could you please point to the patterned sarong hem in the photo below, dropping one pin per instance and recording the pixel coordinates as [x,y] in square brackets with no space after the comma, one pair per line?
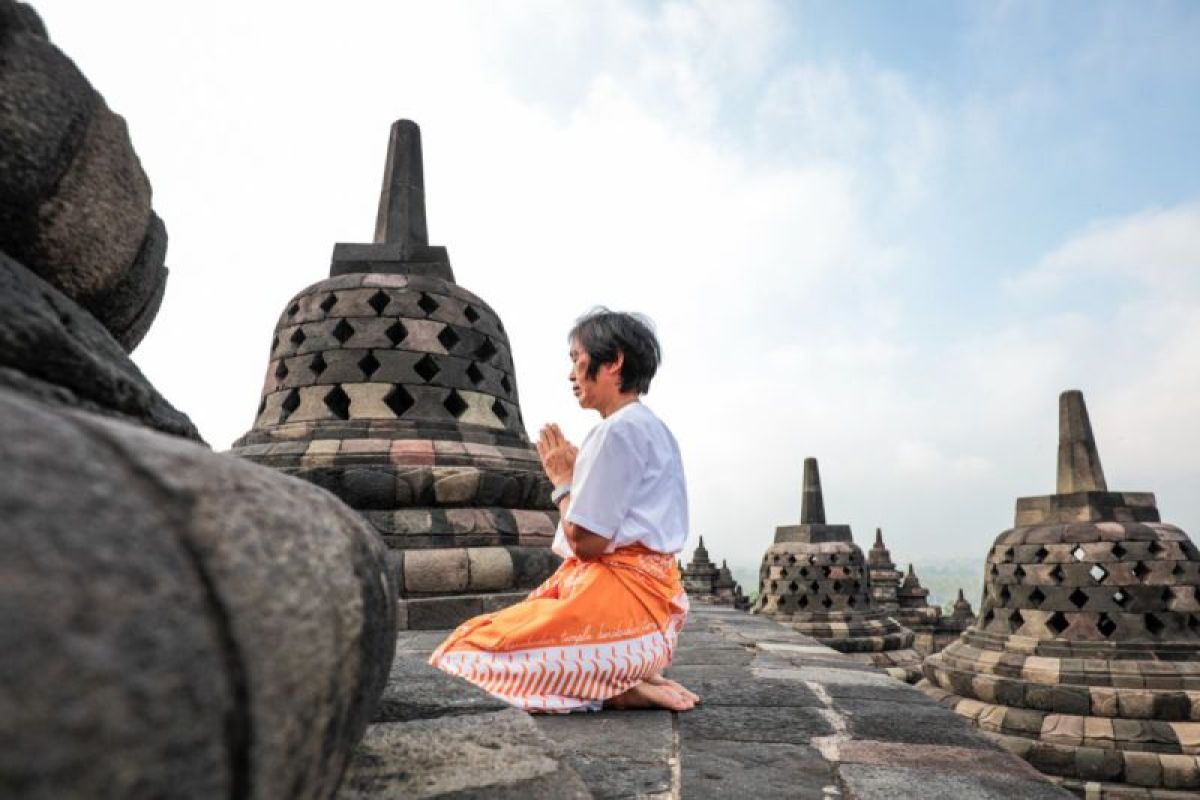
[592,631]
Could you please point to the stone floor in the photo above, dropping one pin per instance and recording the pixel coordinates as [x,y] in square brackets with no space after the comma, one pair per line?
[782,716]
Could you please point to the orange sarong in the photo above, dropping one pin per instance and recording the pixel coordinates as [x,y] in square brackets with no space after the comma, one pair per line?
[593,630]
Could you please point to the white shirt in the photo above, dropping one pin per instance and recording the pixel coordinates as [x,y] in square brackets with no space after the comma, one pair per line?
[628,484]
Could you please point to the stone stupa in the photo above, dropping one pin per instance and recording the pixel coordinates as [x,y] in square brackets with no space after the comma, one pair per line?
[885,578]
[1085,659]
[815,578]
[393,387]
[705,582]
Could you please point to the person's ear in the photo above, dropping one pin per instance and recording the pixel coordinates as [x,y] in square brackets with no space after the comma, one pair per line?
[614,366]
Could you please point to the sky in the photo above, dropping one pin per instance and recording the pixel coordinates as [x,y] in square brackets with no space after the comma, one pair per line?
[883,234]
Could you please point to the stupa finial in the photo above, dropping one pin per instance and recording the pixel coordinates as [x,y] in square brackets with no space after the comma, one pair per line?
[401,217]
[879,537]
[401,245]
[1079,467]
[812,506]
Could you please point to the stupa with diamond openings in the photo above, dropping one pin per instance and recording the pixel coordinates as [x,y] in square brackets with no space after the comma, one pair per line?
[1086,655]
[393,387]
[815,578]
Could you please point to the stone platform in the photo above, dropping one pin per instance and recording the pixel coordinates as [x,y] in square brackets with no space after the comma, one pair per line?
[782,716]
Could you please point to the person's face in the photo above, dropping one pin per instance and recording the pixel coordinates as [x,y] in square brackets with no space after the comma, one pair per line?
[597,392]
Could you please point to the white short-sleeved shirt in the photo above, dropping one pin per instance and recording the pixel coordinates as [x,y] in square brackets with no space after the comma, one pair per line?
[628,484]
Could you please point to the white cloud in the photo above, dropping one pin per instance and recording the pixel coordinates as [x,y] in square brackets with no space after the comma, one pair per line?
[1155,252]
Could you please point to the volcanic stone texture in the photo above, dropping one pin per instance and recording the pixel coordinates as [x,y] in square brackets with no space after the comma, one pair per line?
[74,202]
[1085,659]
[814,578]
[54,350]
[175,622]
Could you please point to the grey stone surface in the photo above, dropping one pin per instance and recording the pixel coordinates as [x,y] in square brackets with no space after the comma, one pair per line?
[764,692]
[481,755]
[617,755]
[176,622]
[725,768]
[911,723]
[794,725]
[866,782]
[713,656]
[74,202]
[416,690]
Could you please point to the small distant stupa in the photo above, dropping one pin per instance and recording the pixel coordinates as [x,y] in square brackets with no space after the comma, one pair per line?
[885,579]
[908,601]
[393,387]
[707,583]
[1086,657]
[814,578]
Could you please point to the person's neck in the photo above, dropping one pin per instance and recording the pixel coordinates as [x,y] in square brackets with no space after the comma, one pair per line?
[617,403]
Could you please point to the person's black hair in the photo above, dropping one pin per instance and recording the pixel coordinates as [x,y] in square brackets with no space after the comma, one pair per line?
[603,334]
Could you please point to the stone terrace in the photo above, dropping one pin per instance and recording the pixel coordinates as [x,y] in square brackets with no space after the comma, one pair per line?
[782,716]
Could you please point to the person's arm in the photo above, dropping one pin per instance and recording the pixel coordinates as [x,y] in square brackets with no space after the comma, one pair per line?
[587,545]
[558,459]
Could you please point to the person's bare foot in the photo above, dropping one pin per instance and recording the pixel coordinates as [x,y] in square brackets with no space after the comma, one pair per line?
[649,695]
[657,679]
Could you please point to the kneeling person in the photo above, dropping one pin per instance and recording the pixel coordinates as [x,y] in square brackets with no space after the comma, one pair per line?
[601,629]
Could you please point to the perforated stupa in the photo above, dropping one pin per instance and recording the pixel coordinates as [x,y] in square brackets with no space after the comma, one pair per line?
[393,387]
[1086,655]
[815,578]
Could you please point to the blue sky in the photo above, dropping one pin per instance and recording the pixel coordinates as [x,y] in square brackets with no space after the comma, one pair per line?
[884,234]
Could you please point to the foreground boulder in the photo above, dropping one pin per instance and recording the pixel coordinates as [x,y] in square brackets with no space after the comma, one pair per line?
[176,622]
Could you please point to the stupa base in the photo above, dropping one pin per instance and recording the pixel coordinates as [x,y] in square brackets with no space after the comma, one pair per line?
[449,611]
[1092,756]
[903,665]
[1098,790]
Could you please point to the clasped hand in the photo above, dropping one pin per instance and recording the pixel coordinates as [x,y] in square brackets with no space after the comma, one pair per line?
[557,454]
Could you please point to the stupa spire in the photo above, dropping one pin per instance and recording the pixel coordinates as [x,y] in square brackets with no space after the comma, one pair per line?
[401,217]
[1079,467]
[401,244]
[812,504]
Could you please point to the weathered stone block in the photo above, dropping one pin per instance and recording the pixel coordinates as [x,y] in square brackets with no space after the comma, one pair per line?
[1142,769]
[1180,772]
[459,486]
[490,568]
[436,571]
[441,613]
